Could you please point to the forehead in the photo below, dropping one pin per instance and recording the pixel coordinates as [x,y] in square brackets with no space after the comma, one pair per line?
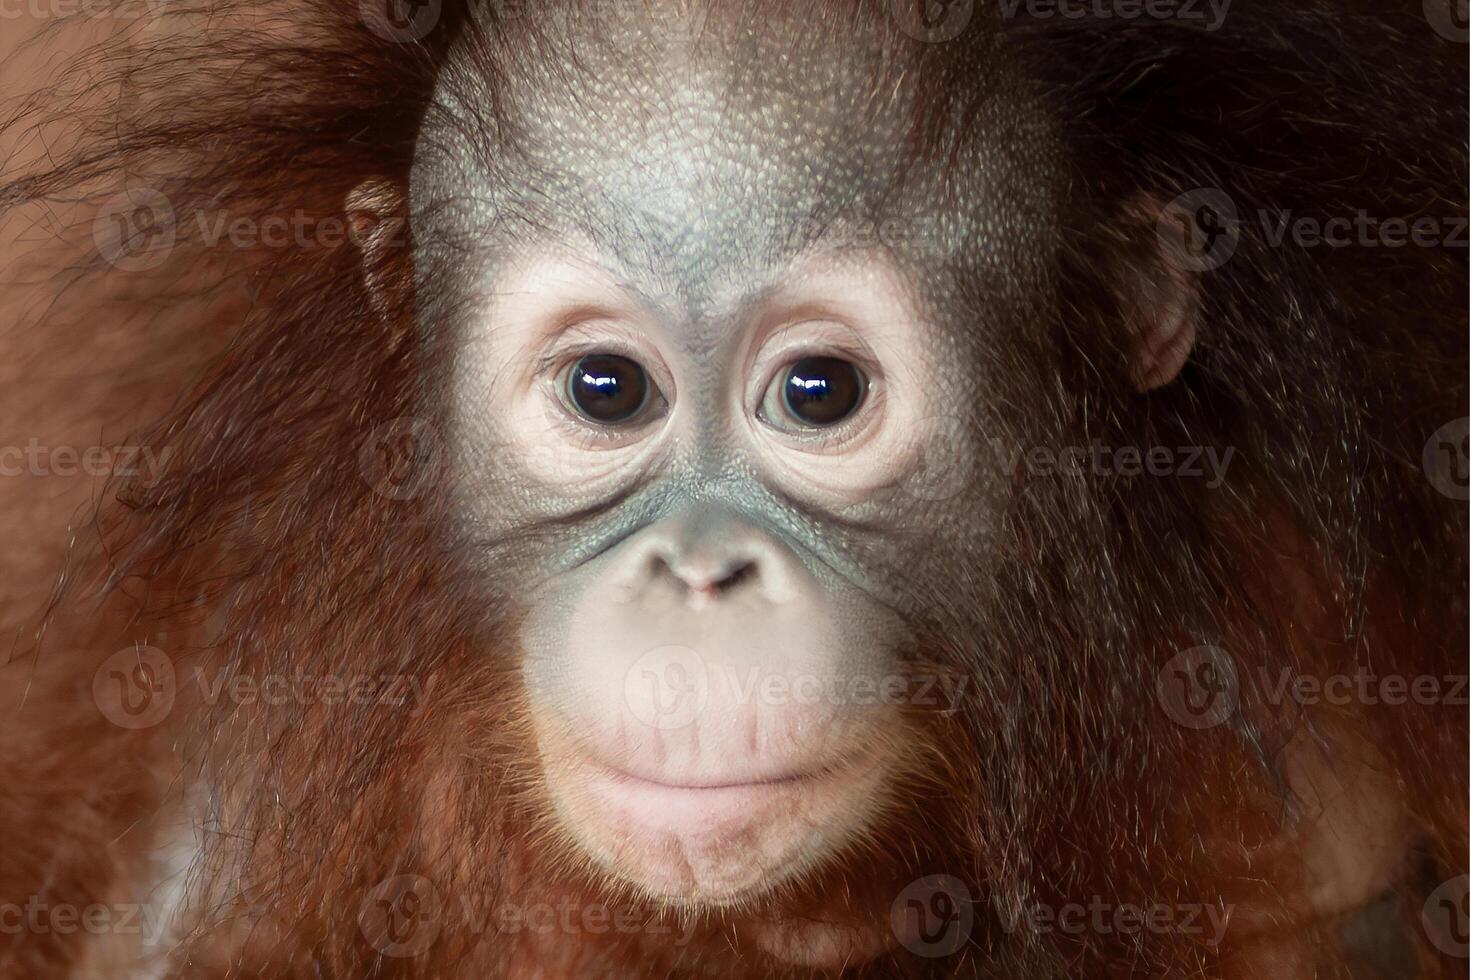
[693,155]
[686,153]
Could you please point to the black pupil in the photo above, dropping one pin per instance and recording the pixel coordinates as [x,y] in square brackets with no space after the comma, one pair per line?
[607,388]
[822,390]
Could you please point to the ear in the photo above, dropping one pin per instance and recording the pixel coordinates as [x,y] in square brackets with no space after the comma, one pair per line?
[377,219]
[1160,294]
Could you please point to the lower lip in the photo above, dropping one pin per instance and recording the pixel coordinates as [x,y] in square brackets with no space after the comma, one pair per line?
[678,809]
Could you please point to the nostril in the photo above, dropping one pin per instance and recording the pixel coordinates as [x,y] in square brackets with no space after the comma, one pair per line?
[707,577]
[729,576]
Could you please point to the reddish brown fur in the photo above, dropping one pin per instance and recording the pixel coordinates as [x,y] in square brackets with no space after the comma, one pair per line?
[264,550]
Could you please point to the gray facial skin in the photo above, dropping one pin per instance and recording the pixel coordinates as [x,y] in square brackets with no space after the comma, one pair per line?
[696,168]
[688,193]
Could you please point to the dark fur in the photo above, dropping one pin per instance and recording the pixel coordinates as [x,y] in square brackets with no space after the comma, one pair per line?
[263,549]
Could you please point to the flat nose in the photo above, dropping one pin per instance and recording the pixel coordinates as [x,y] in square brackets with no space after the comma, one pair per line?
[714,554]
[708,575]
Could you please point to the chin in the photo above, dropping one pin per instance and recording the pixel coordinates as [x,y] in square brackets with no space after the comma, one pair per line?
[717,842]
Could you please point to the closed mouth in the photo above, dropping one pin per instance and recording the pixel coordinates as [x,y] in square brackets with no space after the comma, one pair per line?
[716,784]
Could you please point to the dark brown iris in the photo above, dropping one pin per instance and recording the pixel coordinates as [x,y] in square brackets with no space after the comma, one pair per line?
[607,389]
[822,391]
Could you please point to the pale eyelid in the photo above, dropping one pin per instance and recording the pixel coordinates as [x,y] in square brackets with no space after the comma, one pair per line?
[817,439]
[789,341]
